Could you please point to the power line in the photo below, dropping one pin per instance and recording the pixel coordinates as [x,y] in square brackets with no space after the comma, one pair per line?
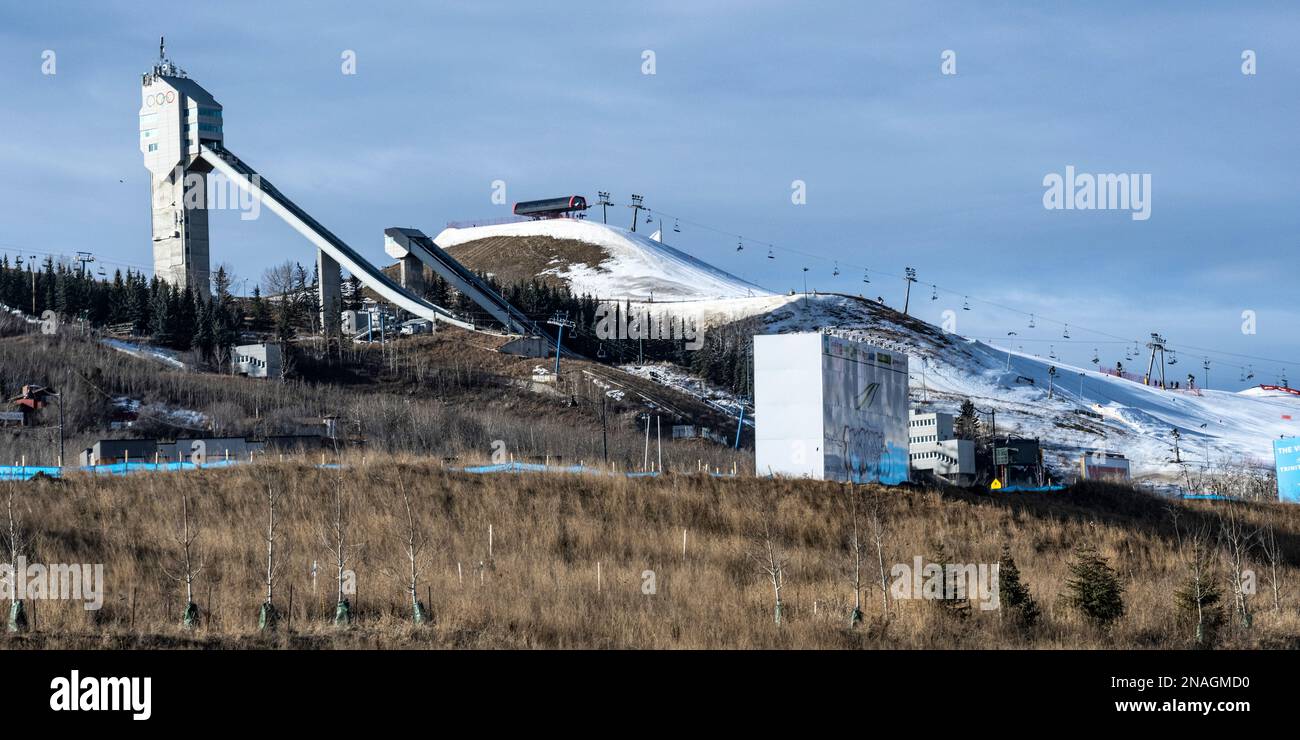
[911,277]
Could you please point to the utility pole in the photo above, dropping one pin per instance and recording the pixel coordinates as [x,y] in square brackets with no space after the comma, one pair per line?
[636,207]
[31,265]
[604,203]
[1206,365]
[911,278]
[604,433]
[560,319]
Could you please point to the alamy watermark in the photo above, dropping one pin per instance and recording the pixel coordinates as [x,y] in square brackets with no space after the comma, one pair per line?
[946,581]
[21,581]
[213,192]
[618,322]
[1083,191]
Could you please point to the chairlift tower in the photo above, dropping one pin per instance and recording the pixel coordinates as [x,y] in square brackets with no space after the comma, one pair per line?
[636,205]
[84,258]
[1157,344]
[910,273]
[560,319]
[604,202]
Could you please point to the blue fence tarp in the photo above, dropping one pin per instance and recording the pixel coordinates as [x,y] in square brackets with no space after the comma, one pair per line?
[26,472]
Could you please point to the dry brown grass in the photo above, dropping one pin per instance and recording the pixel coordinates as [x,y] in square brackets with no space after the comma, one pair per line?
[550,531]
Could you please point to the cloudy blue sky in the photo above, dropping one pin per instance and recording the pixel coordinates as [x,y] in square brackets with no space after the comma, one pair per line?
[904,166]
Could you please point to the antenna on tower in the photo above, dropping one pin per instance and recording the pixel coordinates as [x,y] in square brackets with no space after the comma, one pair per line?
[162,49]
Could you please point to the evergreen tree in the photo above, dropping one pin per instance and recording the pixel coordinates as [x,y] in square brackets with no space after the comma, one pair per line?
[967,425]
[259,313]
[1094,588]
[204,336]
[1012,594]
[1199,599]
[949,601]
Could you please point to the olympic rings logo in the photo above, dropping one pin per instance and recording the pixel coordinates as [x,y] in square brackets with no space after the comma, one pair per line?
[159,99]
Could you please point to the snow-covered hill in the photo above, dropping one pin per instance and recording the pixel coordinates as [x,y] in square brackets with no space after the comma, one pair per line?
[1084,411]
[625,265]
[1075,411]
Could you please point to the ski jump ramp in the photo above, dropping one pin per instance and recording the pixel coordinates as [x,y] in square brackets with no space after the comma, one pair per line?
[404,244]
[232,167]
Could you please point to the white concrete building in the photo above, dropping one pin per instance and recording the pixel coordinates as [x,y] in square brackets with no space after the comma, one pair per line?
[176,116]
[257,360]
[933,447]
[829,408]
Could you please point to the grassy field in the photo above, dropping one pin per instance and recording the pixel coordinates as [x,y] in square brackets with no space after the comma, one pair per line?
[553,534]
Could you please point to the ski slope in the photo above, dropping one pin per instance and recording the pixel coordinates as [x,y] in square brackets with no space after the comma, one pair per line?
[1079,410]
[1084,411]
[635,266]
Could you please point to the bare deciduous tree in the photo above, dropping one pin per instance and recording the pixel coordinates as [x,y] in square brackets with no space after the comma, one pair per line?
[770,559]
[876,516]
[188,564]
[334,535]
[268,616]
[16,542]
[1239,540]
[415,545]
[855,555]
[1273,557]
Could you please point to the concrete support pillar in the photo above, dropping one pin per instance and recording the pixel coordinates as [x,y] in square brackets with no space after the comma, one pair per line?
[331,293]
[412,274]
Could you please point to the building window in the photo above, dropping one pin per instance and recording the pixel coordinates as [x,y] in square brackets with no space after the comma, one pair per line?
[153,147]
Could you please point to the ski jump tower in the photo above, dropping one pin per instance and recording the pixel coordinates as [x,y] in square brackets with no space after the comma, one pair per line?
[182,143]
[177,117]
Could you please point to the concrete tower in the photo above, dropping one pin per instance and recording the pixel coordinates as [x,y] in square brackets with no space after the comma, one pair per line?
[176,115]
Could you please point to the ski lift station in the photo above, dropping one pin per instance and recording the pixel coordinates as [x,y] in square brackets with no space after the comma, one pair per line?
[830,408]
